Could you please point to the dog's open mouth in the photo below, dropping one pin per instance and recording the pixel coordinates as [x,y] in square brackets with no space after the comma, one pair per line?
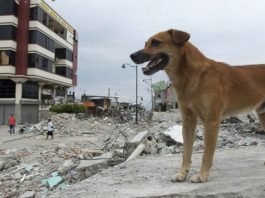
[156,63]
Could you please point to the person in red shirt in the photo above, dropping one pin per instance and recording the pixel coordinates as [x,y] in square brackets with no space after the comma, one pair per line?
[12,124]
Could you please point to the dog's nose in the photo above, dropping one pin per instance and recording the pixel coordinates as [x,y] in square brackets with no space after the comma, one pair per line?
[133,56]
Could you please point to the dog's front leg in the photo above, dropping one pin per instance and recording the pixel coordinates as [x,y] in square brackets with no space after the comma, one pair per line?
[188,130]
[211,126]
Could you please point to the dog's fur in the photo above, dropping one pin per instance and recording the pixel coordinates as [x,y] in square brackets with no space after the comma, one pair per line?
[206,89]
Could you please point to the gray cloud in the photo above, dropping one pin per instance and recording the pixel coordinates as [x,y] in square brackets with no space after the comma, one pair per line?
[109,31]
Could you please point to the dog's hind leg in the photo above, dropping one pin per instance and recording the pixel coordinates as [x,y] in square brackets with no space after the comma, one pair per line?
[261,115]
[188,131]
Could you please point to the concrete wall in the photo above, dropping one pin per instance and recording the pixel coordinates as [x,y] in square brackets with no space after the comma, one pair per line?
[44,114]
[5,111]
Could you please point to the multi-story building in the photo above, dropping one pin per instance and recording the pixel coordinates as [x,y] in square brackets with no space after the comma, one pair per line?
[38,59]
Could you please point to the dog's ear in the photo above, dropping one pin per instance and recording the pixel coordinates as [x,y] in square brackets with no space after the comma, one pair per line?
[178,36]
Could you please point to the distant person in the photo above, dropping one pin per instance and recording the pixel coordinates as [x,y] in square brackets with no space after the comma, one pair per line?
[12,124]
[50,129]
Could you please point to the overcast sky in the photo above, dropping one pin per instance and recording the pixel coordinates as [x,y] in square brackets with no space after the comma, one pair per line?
[231,31]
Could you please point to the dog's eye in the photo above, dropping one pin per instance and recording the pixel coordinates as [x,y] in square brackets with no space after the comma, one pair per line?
[155,43]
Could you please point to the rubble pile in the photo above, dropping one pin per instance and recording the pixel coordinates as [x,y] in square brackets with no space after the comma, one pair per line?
[53,169]
[40,170]
[43,169]
[234,132]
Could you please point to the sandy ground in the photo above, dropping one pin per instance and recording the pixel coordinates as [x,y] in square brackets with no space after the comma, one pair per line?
[236,173]
[36,143]
[18,141]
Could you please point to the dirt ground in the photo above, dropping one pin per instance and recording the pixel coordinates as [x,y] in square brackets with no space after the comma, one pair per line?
[18,141]
[236,173]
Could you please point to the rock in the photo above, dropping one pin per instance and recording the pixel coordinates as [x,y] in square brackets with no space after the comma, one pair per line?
[91,164]
[251,120]
[28,168]
[139,137]
[60,146]
[11,163]
[161,145]
[232,120]
[167,150]
[67,166]
[260,131]
[17,175]
[2,163]
[150,145]
[56,160]
[28,194]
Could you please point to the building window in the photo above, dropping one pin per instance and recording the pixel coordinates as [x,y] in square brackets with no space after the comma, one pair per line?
[36,37]
[44,19]
[7,57]
[30,90]
[8,32]
[62,53]
[64,71]
[38,14]
[7,89]
[8,7]
[60,92]
[40,62]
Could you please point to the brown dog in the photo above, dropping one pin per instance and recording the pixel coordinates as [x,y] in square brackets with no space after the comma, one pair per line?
[206,89]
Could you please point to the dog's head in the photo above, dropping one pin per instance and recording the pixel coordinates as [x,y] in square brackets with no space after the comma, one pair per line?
[160,50]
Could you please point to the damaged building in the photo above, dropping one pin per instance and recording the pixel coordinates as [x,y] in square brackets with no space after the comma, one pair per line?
[38,59]
[165,97]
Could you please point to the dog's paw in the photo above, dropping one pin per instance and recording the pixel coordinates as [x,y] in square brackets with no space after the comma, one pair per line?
[198,178]
[179,177]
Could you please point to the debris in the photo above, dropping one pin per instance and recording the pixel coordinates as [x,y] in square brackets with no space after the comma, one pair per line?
[28,194]
[139,137]
[175,132]
[136,152]
[22,179]
[28,168]
[150,145]
[54,181]
[54,174]
[69,162]
[90,164]
[15,171]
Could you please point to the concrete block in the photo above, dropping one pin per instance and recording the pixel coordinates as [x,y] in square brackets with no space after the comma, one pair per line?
[175,132]
[139,137]
[28,194]
[91,164]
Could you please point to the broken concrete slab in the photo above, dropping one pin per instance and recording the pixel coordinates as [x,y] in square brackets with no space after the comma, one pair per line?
[175,132]
[28,194]
[90,164]
[139,137]
[135,145]
[236,173]
[104,156]
[136,152]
